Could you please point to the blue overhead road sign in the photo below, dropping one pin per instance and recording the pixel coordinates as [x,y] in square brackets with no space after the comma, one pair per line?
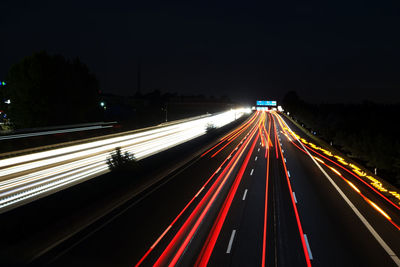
[266,103]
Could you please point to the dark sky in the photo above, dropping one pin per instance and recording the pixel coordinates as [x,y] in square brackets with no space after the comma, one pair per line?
[327,52]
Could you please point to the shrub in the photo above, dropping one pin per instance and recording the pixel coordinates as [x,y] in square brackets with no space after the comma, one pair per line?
[119,161]
[210,128]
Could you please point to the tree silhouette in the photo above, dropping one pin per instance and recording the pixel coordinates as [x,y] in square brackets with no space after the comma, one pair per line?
[50,90]
[122,162]
[361,130]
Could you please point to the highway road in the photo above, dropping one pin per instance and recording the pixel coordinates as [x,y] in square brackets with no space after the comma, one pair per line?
[262,195]
[28,177]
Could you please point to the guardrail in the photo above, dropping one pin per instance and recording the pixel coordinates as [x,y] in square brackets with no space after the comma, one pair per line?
[79,128]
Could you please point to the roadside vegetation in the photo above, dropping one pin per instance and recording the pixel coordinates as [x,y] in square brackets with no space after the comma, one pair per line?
[366,132]
[122,162]
[48,90]
[210,128]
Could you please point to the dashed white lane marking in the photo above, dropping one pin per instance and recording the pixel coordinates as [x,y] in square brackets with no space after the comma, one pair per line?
[283,151]
[244,195]
[228,250]
[198,193]
[258,150]
[288,173]
[284,159]
[255,158]
[295,199]
[260,143]
[252,170]
[308,247]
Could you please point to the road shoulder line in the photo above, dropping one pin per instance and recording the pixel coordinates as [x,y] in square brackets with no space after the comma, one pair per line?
[378,238]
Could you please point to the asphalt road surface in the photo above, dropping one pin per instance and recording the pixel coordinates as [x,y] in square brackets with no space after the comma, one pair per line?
[258,197]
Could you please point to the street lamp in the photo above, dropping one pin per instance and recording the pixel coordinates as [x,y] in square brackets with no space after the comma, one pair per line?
[166,111]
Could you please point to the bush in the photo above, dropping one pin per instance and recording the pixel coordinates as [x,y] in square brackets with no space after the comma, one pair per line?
[119,161]
[210,128]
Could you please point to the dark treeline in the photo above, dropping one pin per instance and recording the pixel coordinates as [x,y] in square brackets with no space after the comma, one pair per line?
[49,90]
[367,132]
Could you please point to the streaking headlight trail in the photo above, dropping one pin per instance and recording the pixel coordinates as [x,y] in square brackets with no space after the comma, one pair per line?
[28,177]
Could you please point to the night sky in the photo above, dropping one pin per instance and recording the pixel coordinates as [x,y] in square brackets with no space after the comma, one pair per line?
[346,51]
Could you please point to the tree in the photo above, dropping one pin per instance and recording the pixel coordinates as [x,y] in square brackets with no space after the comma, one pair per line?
[122,162]
[210,128]
[291,100]
[355,129]
[51,90]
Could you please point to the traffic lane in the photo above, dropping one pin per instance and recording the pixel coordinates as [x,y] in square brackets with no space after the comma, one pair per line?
[46,182]
[240,239]
[240,242]
[284,245]
[128,237]
[197,252]
[335,234]
[187,242]
[38,184]
[386,230]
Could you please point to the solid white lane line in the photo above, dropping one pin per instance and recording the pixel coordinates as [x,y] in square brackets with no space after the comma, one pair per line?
[228,250]
[288,173]
[308,247]
[378,238]
[255,158]
[244,195]
[252,170]
[295,199]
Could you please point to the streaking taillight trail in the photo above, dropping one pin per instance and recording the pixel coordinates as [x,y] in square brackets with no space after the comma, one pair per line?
[175,248]
[206,190]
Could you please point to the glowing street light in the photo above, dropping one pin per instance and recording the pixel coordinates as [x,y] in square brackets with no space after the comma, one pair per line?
[103,104]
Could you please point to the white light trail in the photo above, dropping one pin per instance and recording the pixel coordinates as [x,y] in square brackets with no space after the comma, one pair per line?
[28,177]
